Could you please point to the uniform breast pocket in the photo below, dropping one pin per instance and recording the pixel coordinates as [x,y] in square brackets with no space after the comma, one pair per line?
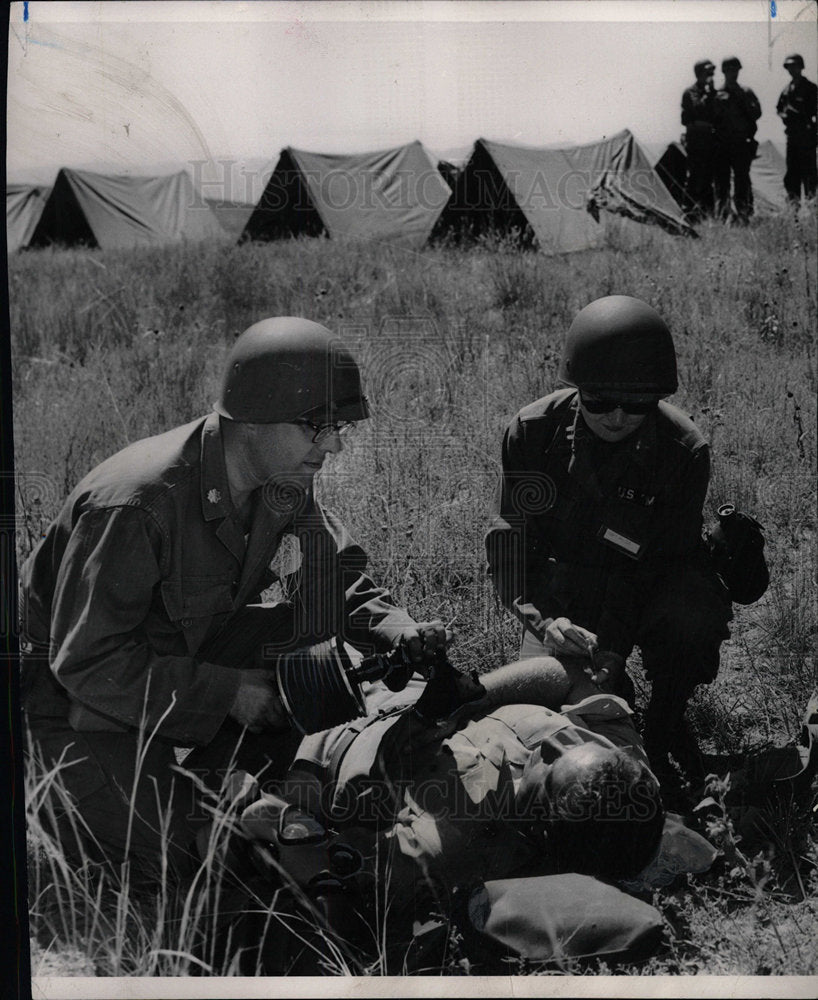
[193,603]
[562,501]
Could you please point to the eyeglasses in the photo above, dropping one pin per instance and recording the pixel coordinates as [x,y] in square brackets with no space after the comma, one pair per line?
[322,431]
[595,404]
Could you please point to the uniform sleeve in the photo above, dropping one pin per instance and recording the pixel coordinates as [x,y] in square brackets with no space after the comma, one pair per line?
[515,554]
[753,105]
[811,101]
[369,617]
[696,106]
[679,530]
[687,108]
[100,650]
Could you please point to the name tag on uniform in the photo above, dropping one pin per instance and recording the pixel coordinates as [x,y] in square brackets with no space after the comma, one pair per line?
[620,542]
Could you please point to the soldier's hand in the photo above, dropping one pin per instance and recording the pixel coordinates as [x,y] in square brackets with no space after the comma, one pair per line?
[423,641]
[568,639]
[608,667]
[257,705]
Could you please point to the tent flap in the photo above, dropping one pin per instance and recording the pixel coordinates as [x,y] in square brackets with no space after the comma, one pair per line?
[628,185]
[24,206]
[555,195]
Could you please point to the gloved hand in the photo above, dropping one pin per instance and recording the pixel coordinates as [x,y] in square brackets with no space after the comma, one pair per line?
[446,691]
[423,641]
[607,668]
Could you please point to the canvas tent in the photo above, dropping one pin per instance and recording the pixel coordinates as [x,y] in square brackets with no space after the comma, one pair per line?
[231,215]
[552,195]
[670,163]
[110,212]
[767,176]
[24,206]
[766,173]
[450,171]
[395,195]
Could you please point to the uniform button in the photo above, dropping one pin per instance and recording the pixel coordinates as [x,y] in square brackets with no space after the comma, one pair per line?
[187,622]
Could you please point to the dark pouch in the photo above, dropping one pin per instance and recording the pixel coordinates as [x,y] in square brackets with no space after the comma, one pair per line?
[773,780]
[553,918]
[736,546]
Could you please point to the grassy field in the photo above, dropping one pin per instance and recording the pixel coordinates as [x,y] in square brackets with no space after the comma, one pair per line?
[108,348]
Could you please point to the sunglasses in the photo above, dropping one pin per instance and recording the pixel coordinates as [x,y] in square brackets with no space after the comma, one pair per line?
[596,405]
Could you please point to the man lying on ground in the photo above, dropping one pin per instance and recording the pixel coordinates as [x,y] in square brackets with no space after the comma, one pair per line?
[543,774]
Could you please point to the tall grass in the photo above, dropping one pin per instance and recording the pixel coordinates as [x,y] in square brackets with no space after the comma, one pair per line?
[111,347]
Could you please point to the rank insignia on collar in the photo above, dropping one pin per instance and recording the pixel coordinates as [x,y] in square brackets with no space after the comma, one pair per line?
[214,496]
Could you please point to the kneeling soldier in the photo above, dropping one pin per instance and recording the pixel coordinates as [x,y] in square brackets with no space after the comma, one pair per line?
[596,543]
[172,572]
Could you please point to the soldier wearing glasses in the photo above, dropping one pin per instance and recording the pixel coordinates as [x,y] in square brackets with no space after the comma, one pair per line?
[596,543]
[175,569]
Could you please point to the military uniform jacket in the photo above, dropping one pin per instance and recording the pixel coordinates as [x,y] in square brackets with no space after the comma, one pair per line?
[737,112]
[588,529]
[698,115]
[797,107]
[147,563]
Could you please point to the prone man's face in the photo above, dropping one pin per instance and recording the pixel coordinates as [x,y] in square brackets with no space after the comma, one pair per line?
[571,769]
[545,780]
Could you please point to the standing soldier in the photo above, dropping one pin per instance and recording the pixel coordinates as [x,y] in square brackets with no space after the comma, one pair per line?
[737,111]
[698,117]
[596,544]
[797,108]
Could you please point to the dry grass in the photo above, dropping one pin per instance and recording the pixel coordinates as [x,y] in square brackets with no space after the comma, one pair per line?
[111,347]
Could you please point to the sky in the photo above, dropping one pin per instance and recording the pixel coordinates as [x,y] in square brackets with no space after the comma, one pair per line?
[148,87]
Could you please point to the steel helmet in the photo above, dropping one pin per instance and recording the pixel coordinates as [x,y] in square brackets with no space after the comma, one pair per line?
[287,367]
[620,344]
